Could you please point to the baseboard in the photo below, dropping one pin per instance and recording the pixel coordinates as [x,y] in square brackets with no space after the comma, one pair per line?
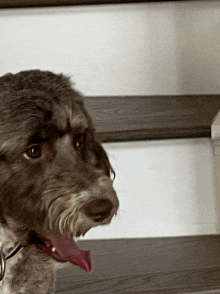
[147,266]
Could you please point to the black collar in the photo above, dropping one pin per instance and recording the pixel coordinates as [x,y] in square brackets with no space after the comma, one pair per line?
[13,252]
[4,257]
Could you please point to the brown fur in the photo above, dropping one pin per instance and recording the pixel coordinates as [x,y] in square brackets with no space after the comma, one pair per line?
[47,195]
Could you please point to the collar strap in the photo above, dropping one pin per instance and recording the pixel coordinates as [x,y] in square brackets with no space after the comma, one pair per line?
[13,252]
[4,257]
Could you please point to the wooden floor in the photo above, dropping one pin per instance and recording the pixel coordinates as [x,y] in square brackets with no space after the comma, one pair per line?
[142,266]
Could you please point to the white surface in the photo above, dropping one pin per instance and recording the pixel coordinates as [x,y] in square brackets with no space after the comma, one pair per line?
[139,49]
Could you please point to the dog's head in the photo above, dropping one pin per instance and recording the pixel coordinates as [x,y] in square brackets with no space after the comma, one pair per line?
[54,174]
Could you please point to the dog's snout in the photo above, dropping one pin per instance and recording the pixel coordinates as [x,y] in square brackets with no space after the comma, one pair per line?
[98,210]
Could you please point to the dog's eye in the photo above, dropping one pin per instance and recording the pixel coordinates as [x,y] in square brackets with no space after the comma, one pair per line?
[33,152]
[79,140]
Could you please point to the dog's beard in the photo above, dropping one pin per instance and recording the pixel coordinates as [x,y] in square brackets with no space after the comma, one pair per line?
[62,213]
[66,219]
[65,209]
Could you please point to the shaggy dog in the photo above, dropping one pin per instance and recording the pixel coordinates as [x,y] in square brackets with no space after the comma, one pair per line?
[54,180]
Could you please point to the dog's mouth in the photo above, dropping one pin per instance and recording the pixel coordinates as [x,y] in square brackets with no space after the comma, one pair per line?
[66,250]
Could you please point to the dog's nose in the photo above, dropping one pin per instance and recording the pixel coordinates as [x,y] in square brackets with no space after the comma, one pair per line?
[98,210]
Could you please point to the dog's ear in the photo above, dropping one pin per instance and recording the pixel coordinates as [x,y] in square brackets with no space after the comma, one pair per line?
[102,160]
[2,220]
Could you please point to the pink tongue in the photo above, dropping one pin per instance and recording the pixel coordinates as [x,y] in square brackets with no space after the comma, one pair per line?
[66,250]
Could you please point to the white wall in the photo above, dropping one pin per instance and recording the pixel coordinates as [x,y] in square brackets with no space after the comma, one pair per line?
[140,49]
[165,187]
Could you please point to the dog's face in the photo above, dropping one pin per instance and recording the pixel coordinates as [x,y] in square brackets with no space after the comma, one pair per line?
[54,174]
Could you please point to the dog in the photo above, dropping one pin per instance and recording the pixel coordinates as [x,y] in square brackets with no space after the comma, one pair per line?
[56,181]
